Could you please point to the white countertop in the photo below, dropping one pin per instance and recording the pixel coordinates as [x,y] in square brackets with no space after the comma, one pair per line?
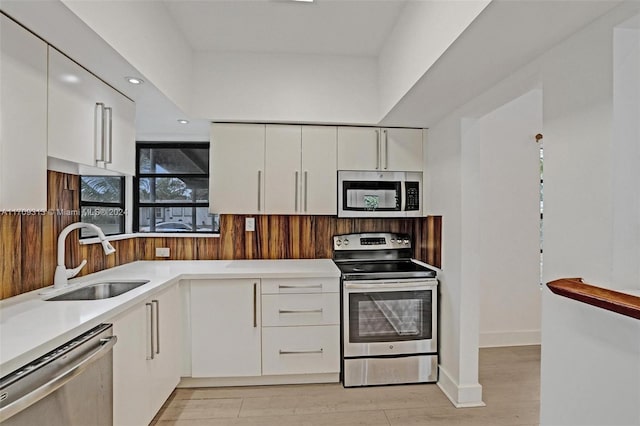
[31,326]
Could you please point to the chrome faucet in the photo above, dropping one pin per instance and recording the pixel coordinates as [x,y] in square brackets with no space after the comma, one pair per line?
[62,273]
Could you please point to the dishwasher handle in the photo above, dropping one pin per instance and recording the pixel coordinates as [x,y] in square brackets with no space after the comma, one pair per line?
[106,344]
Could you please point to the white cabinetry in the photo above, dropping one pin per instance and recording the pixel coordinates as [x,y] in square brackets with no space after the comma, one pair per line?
[237,168]
[301,326]
[225,328]
[23,118]
[146,359]
[393,149]
[273,169]
[90,123]
[300,169]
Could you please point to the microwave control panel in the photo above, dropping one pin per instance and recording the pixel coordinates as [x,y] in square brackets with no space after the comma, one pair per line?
[413,195]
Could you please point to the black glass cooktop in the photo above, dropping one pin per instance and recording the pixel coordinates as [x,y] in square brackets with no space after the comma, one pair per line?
[384,270]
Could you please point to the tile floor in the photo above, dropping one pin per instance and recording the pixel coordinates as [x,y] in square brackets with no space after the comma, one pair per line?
[511,389]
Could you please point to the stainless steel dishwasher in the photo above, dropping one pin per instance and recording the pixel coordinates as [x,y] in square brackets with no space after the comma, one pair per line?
[71,385]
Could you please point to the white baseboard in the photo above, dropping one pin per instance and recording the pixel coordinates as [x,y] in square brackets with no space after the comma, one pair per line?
[466,396]
[510,338]
[288,379]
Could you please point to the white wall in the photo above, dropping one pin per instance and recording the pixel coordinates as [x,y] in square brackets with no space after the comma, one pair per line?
[144,34]
[422,33]
[506,209]
[279,87]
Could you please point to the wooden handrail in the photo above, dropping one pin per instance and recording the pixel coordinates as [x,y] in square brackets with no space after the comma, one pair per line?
[611,300]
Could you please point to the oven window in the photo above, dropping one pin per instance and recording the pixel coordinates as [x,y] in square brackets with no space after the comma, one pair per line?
[390,316]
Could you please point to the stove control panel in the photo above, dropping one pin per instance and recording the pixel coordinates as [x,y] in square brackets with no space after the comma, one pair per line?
[372,241]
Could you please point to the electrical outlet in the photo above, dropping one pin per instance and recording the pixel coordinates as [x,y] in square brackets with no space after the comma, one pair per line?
[250,224]
[162,252]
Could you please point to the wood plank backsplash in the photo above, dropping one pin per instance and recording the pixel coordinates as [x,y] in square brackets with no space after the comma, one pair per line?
[28,242]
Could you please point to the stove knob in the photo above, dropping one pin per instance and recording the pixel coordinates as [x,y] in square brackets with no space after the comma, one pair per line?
[346,242]
[406,242]
[393,241]
[338,243]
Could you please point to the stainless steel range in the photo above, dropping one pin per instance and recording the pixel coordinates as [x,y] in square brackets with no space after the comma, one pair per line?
[389,311]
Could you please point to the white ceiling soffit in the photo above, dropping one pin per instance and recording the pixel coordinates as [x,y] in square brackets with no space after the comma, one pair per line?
[326,27]
[505,37]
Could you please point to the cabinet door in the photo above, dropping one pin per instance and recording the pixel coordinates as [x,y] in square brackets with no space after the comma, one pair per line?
[73,95]
[402,150]
[225,328]
[131,384]
[237,168]
[282,169]
[123,133]
[23,114]
[165,367]
[358,148]
[319,170]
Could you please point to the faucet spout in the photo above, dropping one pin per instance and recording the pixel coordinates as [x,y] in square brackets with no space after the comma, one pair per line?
[62,274]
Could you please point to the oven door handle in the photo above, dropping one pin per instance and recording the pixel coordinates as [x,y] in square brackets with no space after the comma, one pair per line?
[399,285]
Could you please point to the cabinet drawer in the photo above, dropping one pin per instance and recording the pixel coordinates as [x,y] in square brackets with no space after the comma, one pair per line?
[300,309]
[301,350]
[300,285]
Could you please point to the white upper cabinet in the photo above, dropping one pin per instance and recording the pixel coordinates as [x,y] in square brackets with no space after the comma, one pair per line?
[90,123]
[385,149]
[23,118]
[283,169]
[273,169]
[237,168]
[319,170]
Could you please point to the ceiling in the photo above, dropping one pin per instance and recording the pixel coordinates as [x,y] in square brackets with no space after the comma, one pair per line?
[327,27]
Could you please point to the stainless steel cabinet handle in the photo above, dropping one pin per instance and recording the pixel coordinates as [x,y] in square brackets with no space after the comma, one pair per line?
[306,189]
[377,149]
[108,144]
[98,118]
[157,306]
[300,286]
[285,352]
[60,380]
[255,305]
[296,189]
[386,150]
[151,327]
[259,188]
[300,311]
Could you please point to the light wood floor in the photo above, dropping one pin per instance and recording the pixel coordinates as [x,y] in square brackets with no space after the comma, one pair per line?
[511,389]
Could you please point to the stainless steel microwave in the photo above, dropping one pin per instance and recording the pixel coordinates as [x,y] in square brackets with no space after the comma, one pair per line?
[379,194]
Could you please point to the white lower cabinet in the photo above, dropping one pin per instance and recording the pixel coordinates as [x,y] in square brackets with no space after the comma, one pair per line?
[146,358]
[254,329]
[225,328]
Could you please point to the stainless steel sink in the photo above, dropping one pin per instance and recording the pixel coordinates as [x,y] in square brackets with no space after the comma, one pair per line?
[99,291]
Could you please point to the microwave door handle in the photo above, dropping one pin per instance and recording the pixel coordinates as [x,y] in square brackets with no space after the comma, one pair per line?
[403,196]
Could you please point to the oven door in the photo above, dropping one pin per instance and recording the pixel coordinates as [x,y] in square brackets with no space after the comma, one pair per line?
[389,318]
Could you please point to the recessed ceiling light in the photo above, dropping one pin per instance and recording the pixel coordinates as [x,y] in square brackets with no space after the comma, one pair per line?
[183,121]
[304,1]
[134,80]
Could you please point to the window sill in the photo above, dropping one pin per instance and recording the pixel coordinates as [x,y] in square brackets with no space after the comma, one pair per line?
[96,240]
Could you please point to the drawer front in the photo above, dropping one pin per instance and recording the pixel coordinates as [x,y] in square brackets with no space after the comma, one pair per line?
[300,309]
[300,285]
[301,350]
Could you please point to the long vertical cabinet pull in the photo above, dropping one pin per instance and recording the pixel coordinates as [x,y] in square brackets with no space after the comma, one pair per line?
[259,188]
[296,190]
[157,306]
[386,149]
[150,322]
[377,149]
[306,189]
[98,125]
[255,305]
[108,139]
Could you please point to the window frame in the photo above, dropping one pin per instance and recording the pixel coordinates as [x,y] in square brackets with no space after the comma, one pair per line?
[104,204]
[137,204]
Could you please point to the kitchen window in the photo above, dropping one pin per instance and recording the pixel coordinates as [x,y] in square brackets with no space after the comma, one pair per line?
[102,202]
[172,188]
